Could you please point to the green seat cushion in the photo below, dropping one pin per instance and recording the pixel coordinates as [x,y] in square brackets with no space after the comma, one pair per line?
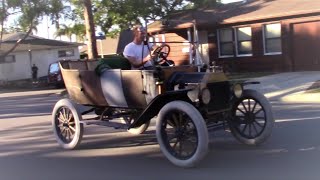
[113,62]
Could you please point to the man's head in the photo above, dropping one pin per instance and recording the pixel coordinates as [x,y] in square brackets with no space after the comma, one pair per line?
[139,33]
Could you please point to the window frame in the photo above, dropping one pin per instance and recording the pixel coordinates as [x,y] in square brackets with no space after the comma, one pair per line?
[265,39]
[3,61]
[66,54]
[219,43]
[237,42]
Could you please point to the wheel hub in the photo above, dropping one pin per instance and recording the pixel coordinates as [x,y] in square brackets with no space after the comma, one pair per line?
[179,132]
[65,125]
[250,117]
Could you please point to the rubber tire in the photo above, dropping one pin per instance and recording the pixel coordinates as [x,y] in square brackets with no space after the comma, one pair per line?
[249,93]
[203,137]
[77,119]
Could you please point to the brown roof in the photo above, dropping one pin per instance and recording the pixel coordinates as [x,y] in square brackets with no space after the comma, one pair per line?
[246,11]
[32,42]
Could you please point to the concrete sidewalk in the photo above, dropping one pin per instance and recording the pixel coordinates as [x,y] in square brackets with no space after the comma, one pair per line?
[288,87]
[29,92]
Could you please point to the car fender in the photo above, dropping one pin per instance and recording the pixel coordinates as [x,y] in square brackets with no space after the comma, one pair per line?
[157,103]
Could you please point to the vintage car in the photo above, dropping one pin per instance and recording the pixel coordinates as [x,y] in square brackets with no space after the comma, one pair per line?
[184,100]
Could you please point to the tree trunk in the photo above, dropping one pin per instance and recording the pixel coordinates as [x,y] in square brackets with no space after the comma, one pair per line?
[90,31]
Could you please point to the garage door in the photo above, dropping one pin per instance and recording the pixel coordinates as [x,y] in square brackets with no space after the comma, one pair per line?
[306,46]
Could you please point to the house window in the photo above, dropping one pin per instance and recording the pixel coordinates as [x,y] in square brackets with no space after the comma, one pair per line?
[225,39]
[66,53]
[272,38]
[244,43]
[8,59]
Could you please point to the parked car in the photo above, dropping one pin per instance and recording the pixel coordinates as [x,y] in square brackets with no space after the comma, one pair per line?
[54,75]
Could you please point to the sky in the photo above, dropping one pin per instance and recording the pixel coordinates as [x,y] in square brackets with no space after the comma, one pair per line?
[46,30]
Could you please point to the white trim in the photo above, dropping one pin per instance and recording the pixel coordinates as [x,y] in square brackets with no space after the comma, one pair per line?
[273,53]
[218,42]
[264,39]
[226,56]
[190,46]
[235,29]
[163,38]
[244,55]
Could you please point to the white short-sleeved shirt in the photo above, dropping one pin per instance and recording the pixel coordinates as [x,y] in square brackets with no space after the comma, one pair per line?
[135,50]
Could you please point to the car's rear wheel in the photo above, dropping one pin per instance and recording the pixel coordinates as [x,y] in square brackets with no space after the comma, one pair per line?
[182,134]
[252,120]
[67,128]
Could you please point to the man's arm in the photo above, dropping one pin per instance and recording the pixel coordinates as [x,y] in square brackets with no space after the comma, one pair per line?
[138,62]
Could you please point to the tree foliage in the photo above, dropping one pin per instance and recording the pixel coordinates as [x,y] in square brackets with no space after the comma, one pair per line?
[116,15]
[29,13]
[112,16]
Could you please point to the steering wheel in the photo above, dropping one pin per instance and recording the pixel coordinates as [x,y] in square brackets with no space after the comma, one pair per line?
[161,53]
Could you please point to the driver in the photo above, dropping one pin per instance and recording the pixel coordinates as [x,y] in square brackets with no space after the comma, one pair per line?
[138,51]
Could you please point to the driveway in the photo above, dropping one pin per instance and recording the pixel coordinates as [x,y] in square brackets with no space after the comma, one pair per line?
[289,87]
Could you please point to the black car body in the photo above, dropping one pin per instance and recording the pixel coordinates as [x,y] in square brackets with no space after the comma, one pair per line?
[54,75]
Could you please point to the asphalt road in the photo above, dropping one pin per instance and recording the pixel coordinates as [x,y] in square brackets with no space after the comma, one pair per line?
[28,150]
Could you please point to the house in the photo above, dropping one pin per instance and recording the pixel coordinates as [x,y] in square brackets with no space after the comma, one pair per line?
[108,46]
[253,35]
[32,50]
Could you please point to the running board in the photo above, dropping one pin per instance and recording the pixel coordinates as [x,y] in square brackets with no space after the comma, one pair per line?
[216,126]
[106,123]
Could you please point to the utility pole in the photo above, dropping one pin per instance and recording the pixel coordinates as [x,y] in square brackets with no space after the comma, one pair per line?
[90,30]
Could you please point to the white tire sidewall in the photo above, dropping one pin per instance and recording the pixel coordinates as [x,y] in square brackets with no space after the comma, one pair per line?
[269,119]
[203,138]
[77,119]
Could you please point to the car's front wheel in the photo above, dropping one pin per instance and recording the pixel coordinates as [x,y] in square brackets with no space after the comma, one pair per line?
[182,134]
[252,120]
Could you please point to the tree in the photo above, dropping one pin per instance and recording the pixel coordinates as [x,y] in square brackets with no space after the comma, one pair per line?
[64,31]
[79,30]
[57,10]
[116,15]
[82,14]
[90,30]
[29,13]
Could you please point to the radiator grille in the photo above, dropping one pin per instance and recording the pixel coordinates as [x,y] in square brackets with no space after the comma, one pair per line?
[220,96]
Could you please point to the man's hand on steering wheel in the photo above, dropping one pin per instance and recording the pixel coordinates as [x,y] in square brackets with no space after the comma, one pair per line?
[161,53]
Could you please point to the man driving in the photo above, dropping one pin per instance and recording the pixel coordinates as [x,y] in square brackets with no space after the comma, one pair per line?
[138,51]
